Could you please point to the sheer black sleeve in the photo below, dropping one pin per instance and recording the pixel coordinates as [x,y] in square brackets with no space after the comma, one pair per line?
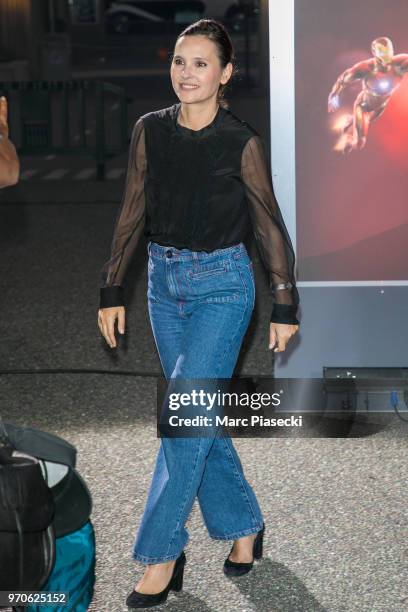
[270,232]
[129,223]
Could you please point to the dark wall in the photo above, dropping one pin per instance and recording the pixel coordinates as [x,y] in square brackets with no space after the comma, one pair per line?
[23,24]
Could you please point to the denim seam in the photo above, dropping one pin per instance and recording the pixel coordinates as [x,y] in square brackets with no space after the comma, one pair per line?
[148,560]
[159,252]
[252,275]
[186,496]
[151,295]
[171,282]
[236,473]
[238,534]
[180,301]
[239,326]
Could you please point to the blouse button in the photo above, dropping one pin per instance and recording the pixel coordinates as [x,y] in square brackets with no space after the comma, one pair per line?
[169,254]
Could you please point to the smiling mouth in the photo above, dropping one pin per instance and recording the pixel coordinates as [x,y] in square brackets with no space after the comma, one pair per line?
[188,86]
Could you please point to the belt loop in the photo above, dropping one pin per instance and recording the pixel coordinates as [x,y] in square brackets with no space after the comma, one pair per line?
[195,260]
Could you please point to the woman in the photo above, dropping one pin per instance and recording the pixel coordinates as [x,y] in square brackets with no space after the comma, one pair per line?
[197,178]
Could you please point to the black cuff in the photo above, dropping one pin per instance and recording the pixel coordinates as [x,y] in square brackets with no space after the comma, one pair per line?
[284,313]
[111,296]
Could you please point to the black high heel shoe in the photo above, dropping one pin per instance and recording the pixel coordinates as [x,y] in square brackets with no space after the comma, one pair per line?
[232,568]
[146,600]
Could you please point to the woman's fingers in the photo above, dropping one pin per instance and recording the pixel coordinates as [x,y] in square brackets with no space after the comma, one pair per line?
[282,339]
[121,320]
[3,109]
[110,324]
[105,331]
[272,336]
[279,335]
[106,322]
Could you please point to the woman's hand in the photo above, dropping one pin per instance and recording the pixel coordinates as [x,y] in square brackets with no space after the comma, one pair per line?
[280,333]
[106,322]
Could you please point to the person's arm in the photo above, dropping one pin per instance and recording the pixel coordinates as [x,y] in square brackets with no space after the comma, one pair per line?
[270,232]
[129,224]
[349,76]
[9,163]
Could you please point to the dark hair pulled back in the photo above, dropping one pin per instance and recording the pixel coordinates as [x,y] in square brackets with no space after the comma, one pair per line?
[215,31]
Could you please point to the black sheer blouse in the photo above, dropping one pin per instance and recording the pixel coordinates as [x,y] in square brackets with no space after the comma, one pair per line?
[201,190]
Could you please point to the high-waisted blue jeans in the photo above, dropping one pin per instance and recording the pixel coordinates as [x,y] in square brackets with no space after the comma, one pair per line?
[200,305]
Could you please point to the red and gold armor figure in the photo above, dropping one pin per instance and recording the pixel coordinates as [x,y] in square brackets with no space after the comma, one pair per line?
[381,75]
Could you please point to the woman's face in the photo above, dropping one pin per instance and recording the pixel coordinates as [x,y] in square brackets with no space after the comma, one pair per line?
[196,72]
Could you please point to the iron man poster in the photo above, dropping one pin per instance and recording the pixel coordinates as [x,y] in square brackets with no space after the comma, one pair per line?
[351,111]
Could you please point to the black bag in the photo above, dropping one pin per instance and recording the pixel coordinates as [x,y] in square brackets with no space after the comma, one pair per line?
[60,496]
[72,499]
[26,514]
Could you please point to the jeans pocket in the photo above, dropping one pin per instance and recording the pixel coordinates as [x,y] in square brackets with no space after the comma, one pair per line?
[207,270]
[215,281]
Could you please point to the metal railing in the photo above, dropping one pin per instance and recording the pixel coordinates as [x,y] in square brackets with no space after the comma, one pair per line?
[68,117]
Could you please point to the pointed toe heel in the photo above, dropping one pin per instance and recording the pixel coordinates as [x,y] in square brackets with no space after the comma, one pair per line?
[146,600]
[258,544]
[177,581]
[233,568]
